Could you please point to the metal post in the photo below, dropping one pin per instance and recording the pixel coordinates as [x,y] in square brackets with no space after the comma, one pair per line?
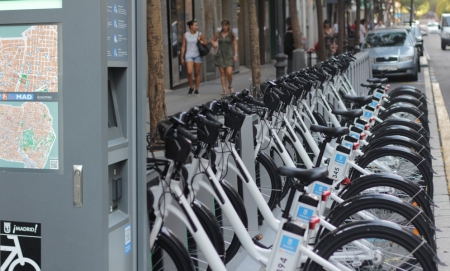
[411,13]
[280,57]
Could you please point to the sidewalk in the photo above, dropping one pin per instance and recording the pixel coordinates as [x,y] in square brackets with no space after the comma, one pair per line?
[177,100]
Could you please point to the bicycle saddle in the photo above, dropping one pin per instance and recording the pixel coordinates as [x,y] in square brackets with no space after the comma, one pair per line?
[304,176]
[333,131]
[361,100]
[377,80]
[348,113]
[371,86]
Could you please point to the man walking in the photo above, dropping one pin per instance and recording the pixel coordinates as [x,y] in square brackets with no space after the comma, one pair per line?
[380,25]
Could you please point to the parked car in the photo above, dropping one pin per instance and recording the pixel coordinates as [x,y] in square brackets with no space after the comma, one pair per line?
[445,30]
[416,35]
[392,53]
[433,28]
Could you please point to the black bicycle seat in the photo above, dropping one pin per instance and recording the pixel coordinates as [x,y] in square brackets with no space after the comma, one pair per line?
[333,131]
[361,100]
[348,113]
[304,176]
[377,80]
[371,86]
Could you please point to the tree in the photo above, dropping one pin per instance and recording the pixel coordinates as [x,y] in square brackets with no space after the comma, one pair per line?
[358,19]
[341,26]
[321,52]
[443,6]
[156,92]
[254,45]
[295,23]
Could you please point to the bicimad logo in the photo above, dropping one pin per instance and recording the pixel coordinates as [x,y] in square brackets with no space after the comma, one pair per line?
[7,227]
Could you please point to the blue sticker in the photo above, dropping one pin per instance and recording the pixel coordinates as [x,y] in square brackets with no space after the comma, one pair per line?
[340,159]
[360,126]
[355,135]
[318,189]
[289,243]
[378,95]
[374,104]
[348,145]
[304,213]
[368,114]
[127,239]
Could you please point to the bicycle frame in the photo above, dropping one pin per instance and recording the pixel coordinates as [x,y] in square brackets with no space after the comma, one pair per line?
[186,215]
[15,250]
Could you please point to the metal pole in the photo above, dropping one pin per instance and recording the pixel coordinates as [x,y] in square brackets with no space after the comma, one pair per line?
[411,13]
[280,57]
[371,14]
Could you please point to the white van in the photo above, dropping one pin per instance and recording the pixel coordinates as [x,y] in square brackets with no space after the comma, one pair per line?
[445,30]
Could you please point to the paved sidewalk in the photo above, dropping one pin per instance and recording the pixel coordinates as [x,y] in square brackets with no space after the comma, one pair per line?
[177,100]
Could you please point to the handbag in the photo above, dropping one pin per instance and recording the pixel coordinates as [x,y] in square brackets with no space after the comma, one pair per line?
[202,49]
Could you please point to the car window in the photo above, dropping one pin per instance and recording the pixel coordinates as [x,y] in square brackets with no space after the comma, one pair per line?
[386,39]
[445,21]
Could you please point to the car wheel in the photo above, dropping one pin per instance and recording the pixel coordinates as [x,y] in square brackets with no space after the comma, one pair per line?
[415,76]
[442,45]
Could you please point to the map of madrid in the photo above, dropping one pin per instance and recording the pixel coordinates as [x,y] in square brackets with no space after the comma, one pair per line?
[29,63]
[26,134]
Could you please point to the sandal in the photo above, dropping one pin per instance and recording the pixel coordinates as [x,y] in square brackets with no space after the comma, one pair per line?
[224,93]
[231,90]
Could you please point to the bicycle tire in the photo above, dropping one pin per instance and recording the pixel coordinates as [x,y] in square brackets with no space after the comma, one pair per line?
[400,131]
[264,160]
[416,162]
[410,101]
[348,210]
[334,241]
[231,240]
[175,250]
[278,160]
[402,141]
[212,228]
[403,189]
[407,91]
[406,112]
[402,122]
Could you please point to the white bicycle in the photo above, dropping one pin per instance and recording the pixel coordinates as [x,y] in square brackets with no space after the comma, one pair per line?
[16,250]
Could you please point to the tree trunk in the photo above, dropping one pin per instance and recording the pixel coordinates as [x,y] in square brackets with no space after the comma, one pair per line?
[380,11]
[366,10]
[156,93]
[254,45]
[295,23]
[358,19]
[321,52]
[341,26]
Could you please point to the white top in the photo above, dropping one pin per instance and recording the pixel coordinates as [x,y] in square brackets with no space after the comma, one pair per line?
[336,28]
[379,26]
[191,45]
[362,33]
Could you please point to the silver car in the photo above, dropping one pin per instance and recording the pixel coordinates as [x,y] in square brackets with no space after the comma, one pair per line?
[392,53]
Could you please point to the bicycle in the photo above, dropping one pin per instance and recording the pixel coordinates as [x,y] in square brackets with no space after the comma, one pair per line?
[16,250]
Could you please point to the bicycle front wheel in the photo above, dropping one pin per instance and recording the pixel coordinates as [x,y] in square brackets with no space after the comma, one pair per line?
[388,247]
[169,254]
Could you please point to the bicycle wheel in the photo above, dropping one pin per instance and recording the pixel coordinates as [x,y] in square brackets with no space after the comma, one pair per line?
[267,180]
[169,253]
[383,207]
[409,101]
[401,141]
[402,122]
[278,160]
[231,240]
[215,234]
[400,131]
[394,247]
[390,184]
[398,161]
[407,91]
[406,112]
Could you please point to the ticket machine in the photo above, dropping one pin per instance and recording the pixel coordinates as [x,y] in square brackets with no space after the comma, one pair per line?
[72,119]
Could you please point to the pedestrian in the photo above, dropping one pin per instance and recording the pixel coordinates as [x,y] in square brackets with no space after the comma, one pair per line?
[362,31]
[380,25]
[226,55]
[289,44]
[336,28]
[191,56]
[329,39]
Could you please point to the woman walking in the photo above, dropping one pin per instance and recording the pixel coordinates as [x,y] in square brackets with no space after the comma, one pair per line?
[330,42]
[191,56]
[226,55]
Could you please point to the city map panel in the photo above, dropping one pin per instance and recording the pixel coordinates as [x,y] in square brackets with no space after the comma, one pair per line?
[29,132]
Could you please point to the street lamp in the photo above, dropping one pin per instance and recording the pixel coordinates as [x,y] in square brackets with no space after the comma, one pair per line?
[280,57]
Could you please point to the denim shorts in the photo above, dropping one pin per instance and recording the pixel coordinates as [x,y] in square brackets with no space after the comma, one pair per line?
[197,59]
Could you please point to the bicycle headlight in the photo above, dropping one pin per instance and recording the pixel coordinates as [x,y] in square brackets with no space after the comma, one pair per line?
[405,58]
